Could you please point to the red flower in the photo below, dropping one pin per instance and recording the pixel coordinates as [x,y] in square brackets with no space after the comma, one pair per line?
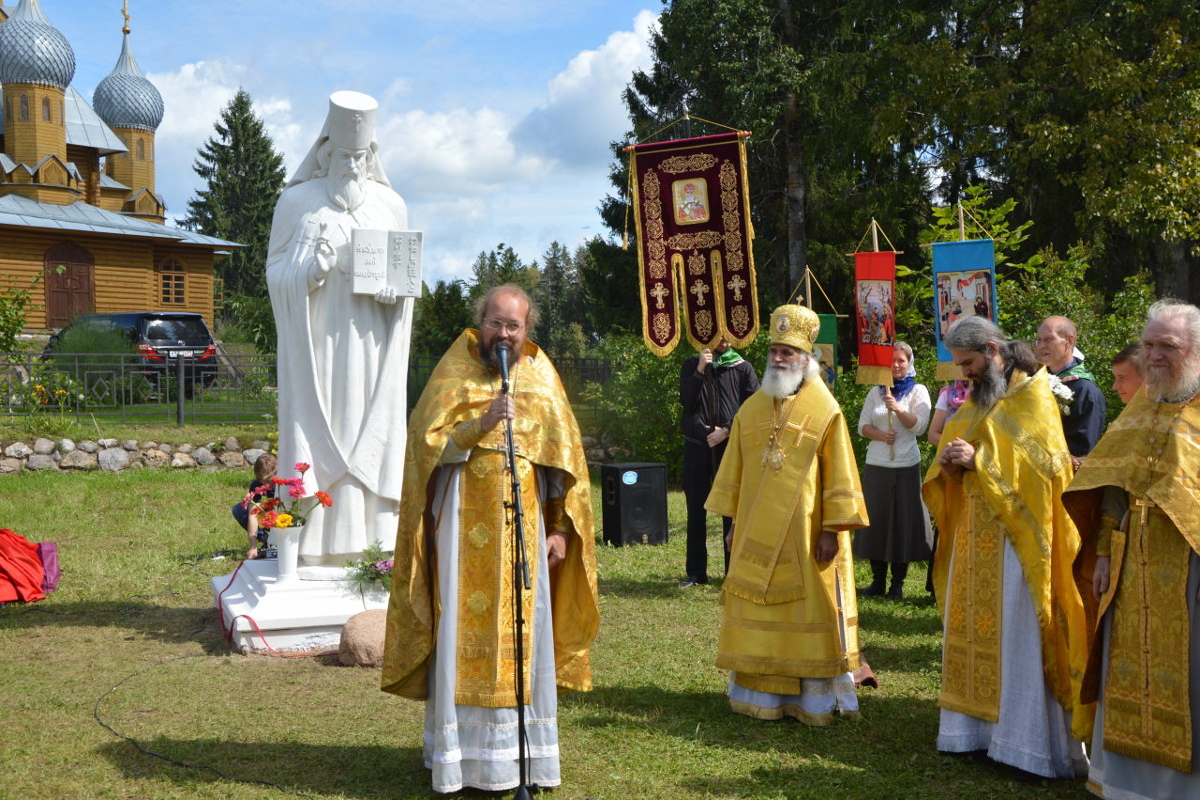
[279,481]
[325,499]
[302,467]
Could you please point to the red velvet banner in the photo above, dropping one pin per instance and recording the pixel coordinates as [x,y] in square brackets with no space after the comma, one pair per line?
[875,315]
[692,212]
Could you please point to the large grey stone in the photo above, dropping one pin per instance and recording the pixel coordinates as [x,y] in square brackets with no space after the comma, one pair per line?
[40,461]
[79,459]
[232,444]
[182,461]
[88,446]
[18,450]
[185,448]
[43,446]
[130,445]
[203,456]
[113,459]
[154,458]
[65,445]
[252,455]
[108,443]
[10,465]
[362,639]
[232,459]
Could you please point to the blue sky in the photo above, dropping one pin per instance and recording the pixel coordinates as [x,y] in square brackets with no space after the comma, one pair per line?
[495,116]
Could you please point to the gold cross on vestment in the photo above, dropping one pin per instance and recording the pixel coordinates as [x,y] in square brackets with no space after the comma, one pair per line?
[737,284]
[1144,513]
[699,289]
[658,293]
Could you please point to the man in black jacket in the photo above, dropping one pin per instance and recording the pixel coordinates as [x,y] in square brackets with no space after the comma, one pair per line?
[712,386]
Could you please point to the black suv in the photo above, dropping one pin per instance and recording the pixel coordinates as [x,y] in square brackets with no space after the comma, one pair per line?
[158,338]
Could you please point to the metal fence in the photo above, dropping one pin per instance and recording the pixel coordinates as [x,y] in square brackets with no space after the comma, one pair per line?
[237,389]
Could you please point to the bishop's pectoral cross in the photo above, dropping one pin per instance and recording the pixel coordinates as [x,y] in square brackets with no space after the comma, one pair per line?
[699,289]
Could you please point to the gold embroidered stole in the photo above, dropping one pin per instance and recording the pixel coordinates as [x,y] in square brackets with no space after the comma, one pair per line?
[486,655]
[1022,467]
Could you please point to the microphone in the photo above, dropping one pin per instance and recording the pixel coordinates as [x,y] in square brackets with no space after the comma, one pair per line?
[502,357]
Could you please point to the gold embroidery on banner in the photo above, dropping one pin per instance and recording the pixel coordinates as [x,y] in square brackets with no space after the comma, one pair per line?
[691,241]
[740,317]
[480,536]
[704,325]
[479,603]
[652,213]
[658,293]
[696,265]
[693,163]
[662,327]
[734,258]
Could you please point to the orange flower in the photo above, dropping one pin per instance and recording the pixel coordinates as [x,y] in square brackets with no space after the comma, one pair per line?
[325,499]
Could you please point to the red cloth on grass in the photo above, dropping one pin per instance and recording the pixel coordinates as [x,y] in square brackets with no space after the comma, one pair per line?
[21,572]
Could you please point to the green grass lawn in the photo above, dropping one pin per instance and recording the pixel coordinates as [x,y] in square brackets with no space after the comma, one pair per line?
[121,685]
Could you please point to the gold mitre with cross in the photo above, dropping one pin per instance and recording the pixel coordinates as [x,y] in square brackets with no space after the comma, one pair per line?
[796,326]
[351,120]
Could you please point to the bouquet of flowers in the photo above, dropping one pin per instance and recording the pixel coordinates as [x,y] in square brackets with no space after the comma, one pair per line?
[290,506]
[1062,395]
[373,570]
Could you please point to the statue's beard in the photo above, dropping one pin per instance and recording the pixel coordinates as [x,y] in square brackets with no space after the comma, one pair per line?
[990,388]
[1174,388]
[347,191]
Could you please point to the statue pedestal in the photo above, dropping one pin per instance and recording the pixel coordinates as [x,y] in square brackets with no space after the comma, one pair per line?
[290,612]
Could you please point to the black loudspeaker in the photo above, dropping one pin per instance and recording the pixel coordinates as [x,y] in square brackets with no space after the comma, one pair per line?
[634,504]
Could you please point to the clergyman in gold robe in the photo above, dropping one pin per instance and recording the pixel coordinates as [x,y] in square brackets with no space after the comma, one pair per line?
[1137,500]
[1015,627]
[451,614]
[789,621]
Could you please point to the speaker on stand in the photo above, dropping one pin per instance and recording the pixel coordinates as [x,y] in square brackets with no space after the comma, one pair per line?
[634,503]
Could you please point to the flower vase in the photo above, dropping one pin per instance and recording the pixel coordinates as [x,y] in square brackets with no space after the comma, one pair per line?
[287,540]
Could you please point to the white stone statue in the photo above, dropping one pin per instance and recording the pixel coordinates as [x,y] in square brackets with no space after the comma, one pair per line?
[343,358]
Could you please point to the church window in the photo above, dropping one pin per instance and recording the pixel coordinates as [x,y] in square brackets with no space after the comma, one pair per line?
[141,149]
[24,107]
[171,282]
[46,110]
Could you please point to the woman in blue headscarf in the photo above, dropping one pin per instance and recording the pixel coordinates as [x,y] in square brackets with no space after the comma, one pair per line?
[893,418]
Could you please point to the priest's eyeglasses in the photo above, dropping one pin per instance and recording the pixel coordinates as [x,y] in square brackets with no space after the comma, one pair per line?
[493,324]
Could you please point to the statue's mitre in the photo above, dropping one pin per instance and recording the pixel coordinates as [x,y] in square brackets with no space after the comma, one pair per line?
[351,120]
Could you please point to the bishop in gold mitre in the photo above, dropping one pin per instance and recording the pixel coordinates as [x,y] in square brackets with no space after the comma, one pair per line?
[789,621]
[1015,627]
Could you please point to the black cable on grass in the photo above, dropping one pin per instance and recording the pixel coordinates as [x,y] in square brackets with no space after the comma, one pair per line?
[142,748]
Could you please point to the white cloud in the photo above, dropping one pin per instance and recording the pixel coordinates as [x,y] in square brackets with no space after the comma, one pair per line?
[585,111]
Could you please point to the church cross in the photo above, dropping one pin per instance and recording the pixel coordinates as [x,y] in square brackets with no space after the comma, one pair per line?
[737,284]
[699,289]
[658,293]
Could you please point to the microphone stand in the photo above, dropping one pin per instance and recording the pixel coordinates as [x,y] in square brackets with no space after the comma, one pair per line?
[520,585]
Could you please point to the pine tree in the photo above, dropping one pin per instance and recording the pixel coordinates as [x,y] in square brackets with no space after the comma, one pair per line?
[244,176]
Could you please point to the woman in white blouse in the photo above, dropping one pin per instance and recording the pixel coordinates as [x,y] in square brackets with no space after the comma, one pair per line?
[893,418]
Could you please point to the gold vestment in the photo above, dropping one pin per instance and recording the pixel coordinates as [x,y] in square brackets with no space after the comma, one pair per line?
[784,614]
[1151,453]
[545,434]
[1022,467]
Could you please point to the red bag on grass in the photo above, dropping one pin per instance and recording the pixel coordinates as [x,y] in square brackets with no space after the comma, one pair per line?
[21,571]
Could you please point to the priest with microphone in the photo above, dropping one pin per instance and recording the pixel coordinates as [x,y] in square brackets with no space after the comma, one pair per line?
[451,637]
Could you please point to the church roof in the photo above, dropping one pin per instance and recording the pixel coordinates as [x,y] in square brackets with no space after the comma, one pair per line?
[22,212]
[84,127]
[34,51]
[125,99]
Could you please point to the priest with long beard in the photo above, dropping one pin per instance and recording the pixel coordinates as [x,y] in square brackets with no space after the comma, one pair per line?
[1015,629]
[1137,500]
[789,624]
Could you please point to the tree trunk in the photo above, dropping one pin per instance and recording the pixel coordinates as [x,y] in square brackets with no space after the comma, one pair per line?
[1175,268]
[795,193]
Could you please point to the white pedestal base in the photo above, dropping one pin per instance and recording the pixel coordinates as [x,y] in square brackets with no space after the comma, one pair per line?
[291,613]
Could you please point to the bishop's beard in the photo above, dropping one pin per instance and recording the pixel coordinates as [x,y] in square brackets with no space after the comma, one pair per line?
[785,381]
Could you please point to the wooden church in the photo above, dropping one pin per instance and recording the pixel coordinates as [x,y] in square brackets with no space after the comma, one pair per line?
[78,204]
